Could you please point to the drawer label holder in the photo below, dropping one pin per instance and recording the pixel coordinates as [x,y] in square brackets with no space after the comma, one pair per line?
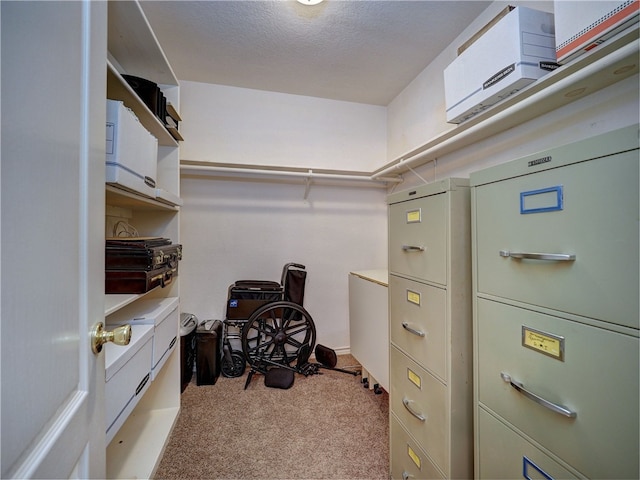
[414,456]
[549,199]
[543,342]
[414,216]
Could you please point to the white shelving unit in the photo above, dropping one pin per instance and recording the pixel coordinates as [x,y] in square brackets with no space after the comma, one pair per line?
[136,449]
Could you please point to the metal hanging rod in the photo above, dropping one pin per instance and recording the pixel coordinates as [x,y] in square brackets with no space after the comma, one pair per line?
[308,175]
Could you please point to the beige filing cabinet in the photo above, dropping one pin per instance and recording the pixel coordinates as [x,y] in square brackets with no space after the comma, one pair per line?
[556,349]
[430,331]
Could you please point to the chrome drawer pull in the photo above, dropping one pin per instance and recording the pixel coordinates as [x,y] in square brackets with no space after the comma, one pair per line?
[406,326]
[413,248]
[558,257]
[407,404]
[562,410]
[406,475]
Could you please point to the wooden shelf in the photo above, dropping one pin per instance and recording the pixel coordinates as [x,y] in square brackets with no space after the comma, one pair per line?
[133,49]
[132,41]
[118,197]
[142,433]
[119,89]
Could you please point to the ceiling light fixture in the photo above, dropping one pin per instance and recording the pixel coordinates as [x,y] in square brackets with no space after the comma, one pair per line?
[309,2]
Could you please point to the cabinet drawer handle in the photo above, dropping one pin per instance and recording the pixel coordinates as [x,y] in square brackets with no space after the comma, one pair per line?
[406,475]
[407,404]
[406,326]
[413,248]
[558,257]
[562,410]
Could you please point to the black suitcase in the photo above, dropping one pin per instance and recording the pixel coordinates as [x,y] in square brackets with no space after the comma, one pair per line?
[141,257]
[208,352]
[246,296]
[138,281]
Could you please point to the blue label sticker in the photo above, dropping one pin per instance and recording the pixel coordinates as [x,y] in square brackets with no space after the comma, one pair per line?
[233,303]
[526,463]
[543,200]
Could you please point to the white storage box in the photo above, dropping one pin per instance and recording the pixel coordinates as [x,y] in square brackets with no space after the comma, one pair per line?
[128,375]
[132,152]
[164,315]
[516,51]
[582,26]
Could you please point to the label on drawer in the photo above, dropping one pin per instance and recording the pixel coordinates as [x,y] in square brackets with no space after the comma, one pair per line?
[414,378]
[546,343]
[543,200]
[413,297]
[414,216]
[414,456]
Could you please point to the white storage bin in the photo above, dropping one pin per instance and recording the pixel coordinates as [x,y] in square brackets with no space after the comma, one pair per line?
[164,315]
[517,50]
[132,152]
[127,375]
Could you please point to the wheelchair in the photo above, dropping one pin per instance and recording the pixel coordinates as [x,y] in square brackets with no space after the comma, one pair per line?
[269,323]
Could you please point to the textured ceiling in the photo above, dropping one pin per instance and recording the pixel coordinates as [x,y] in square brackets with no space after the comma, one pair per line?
[363,51]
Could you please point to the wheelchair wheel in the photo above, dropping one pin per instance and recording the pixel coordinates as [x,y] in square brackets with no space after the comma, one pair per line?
[276,334]
[234,366]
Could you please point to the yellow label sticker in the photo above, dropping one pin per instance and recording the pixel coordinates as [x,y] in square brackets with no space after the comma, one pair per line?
[414,216]
[413,297]
[414,456]
[414,378]
[543,342]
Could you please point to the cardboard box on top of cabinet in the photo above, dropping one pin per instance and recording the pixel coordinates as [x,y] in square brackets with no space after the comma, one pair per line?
[516,51]
[132,152]
[582,26]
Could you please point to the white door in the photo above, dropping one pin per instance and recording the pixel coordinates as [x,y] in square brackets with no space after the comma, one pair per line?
[52,252]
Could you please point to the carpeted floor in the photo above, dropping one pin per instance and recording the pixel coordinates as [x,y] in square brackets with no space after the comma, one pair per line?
[324,427]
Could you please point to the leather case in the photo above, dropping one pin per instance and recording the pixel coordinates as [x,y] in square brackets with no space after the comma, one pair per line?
[138,281]
[142,258]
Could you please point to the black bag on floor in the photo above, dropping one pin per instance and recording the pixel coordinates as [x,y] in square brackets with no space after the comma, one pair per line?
[279,378]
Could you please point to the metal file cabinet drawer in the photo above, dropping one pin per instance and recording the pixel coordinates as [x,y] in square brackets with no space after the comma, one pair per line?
[583,369]
[417,238]
[418,323]
[418,399]
[587,210]
[504,454]
[408,460]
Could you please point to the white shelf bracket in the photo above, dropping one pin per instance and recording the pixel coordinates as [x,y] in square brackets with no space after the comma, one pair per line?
[307,184]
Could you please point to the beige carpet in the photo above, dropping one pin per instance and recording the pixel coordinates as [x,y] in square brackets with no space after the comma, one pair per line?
[324,427]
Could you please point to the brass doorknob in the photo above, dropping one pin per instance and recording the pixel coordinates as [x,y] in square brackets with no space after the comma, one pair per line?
[99,336]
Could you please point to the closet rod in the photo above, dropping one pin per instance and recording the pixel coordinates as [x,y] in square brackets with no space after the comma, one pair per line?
[484,128]
[310,174]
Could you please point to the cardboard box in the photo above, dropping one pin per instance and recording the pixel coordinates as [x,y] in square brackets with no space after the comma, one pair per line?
[513,53]
[132,152]
[582,26]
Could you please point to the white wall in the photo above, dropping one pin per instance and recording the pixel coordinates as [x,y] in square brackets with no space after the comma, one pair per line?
[238,125]
[233,230]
